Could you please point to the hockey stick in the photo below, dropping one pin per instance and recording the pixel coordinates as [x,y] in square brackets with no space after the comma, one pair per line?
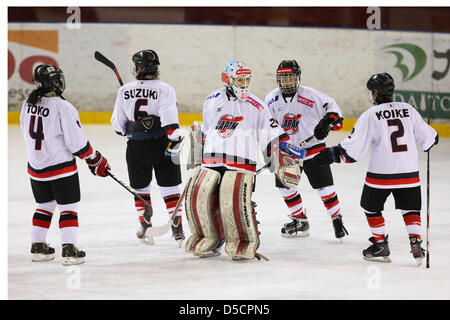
[146,204]
[428,192]
[160,230]
[99,57]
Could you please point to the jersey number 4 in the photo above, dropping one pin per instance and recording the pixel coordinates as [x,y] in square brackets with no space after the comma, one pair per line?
[397,134]
[38,134]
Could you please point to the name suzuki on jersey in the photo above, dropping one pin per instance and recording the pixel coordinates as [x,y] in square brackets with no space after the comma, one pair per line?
[38,110]
[140,93]
[394,113]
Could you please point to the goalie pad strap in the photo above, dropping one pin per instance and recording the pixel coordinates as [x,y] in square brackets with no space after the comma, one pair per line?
[237,213]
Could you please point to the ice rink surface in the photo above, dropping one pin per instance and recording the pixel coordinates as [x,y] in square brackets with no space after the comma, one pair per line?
[317,267]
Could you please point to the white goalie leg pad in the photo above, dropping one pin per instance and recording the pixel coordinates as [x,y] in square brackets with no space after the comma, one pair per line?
[239,223]
[202,212]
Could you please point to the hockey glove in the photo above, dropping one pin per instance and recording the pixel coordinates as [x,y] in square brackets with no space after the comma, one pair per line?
[175,144]
[329,121]
[98,165]
[327,156]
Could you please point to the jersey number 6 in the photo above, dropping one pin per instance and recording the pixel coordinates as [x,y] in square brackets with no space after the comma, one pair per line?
[37,135]
[397,134]
[137,113]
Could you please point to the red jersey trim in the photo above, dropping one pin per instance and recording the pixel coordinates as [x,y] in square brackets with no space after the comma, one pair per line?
[393,179]
[63,168]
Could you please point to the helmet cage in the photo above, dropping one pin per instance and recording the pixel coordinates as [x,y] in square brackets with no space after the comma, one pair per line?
[287,80]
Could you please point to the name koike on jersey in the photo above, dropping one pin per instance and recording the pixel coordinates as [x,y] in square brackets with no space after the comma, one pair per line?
[394,113]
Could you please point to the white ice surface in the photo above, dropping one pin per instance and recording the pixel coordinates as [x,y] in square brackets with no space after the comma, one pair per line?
[317,267]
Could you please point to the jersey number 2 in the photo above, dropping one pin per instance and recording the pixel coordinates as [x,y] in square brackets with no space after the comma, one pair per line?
[38,134]
[397,134]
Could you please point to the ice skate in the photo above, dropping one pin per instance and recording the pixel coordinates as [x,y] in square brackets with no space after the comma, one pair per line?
[378,251]
[298,227]
[72,255]
[339,229]
[416,249]
[41,251]
[141,233]
[177,230]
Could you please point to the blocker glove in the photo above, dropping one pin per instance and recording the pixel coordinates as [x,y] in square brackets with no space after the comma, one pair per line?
[98,165]
[328,122]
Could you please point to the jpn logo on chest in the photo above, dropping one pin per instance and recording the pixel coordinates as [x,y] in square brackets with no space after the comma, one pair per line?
[290,123]
[227,124]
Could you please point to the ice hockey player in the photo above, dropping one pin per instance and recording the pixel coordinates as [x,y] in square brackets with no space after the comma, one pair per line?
[53,137]
[391,130]
[302,112]
[146,113]
[218,199]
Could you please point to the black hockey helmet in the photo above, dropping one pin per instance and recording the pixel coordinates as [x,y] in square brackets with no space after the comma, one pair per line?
[381,84]
[145,62]
[286,72]
[49,78]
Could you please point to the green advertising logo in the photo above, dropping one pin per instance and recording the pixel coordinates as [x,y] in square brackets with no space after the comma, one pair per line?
[420,59]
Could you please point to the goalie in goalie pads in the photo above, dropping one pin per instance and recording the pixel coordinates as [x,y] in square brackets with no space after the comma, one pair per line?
[219,210]
[218,199]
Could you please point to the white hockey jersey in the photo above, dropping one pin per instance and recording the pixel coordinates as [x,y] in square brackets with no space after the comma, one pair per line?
[142,98]
[53,137]
[392,131]
[299,115]
[234,129]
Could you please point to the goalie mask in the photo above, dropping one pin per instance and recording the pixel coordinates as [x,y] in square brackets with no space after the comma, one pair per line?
[288,76]
[49,78]
[236,78]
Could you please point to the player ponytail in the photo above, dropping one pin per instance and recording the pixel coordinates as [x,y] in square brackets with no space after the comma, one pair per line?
[34,96]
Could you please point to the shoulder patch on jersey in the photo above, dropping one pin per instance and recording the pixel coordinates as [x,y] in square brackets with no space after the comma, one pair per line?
[276,98]
[254,103]
[305,101]
[212,96]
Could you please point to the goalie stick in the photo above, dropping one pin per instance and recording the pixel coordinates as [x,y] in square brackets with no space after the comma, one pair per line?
[156,231]
[99,57]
